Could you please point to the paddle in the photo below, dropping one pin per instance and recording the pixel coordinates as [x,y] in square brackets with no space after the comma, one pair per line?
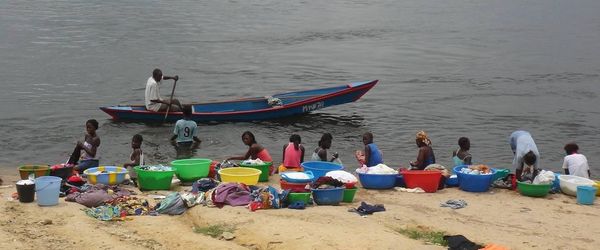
[170,100]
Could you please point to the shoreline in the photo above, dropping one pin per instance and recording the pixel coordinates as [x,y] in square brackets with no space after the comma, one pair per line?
[498,216]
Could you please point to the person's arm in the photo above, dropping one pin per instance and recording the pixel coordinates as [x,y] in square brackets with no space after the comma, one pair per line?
[322,153]
[565,166]
[197,140]
[251,151]
[420,157]
[302,154]
[173,138]
[518,172]
[175,77]
[367,155]
[467,160]
[283,157]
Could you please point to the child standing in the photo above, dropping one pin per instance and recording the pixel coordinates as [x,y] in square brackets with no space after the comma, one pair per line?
[575,163]
[462,156]
[136,158]
[89,146]
[371,156]
[293,154]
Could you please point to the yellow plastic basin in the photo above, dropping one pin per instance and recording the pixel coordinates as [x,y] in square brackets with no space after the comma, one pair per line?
[597,187]
[248,176]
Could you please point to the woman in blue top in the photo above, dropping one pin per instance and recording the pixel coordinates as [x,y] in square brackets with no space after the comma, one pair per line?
[373,155]
[425,156]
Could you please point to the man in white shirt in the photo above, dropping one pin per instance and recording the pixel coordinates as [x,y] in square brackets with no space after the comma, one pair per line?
[575,163]
[153,100]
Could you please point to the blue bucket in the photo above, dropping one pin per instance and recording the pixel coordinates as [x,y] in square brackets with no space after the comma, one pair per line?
[400,181]
[586,195]
[47,189]
[320,168]
[331,196]
[474,183]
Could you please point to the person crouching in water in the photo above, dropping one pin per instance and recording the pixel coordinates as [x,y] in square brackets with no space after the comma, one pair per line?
[293,154]
[425,157]
[89,147]
[136,158]
[185,134]
[526,155]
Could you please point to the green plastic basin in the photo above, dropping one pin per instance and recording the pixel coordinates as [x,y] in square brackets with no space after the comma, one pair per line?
[533,190]
[189,170]
[154,180]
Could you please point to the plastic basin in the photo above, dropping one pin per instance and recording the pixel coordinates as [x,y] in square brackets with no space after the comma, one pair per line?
[320,168]
[61,170]
[154,180]
[452,181]
[190,170]
[37,170]
[569,183]
[297,177]
[597,185]
[107,175]
[248,176]
[304,197]
[377,181]
[264,168]
[533,190]
[426,180]
[349,194]
[294,187]
[472,182]
[400,181]
[331,196]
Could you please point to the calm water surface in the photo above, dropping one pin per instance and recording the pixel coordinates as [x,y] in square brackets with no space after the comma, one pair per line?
[452,68]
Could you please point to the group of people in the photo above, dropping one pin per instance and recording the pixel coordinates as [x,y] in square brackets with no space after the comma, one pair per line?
[185,135]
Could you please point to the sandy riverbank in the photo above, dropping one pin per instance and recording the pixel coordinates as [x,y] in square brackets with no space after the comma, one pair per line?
[500,216]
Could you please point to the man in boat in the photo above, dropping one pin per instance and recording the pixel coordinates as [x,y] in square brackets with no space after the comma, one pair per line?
[153,100]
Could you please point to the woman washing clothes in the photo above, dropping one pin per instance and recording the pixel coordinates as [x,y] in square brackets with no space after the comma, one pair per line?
[320,153]
[255,150]
[425,155]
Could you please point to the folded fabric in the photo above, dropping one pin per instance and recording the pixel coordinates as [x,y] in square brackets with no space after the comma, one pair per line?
[454,204]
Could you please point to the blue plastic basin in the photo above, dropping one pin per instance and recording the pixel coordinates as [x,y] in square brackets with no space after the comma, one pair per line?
[473,183]
[320,168]
[331,196]
[377,181]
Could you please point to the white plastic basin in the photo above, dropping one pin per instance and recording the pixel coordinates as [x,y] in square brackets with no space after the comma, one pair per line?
[569,183]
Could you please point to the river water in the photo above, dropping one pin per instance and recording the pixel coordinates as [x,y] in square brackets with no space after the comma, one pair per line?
[471,68]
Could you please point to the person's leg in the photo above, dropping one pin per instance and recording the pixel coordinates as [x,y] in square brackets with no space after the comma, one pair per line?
[74,156]
[85,164]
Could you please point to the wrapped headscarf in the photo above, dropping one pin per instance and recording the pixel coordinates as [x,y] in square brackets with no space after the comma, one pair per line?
[422,137]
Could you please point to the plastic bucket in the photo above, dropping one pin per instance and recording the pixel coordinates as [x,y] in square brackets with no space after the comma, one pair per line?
[47,189]
[597,185]
[190,170]
[331,196]
[429,181]
[320,168]
[61,170]
[26,192]
[586,195]
[264,168]
[294,187]
[37,170]
[349,194]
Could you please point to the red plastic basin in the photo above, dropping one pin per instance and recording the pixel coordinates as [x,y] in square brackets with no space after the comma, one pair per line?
[294,187]
[427,180]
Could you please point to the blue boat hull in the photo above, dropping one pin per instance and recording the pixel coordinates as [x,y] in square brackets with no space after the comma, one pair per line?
[251,109]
